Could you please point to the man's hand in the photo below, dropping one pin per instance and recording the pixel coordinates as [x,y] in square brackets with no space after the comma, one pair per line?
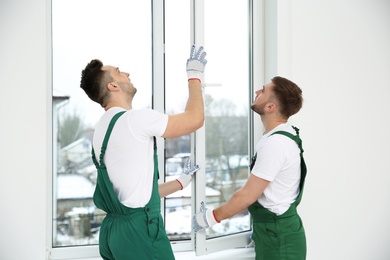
[186,176]
[196,63]
[203,219]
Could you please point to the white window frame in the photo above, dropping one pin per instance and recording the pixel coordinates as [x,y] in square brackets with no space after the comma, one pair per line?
[203,245]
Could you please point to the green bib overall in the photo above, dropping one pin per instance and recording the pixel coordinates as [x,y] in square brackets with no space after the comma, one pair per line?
[280,237]
[129,233]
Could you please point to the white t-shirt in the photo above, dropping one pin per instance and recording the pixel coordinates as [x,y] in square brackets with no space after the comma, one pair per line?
[130,150]
[278,161]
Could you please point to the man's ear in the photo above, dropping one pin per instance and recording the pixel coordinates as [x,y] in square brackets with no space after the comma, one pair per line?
[112,87]
[271,107]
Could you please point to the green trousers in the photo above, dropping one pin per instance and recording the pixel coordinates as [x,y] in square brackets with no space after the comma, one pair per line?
[135,236]
[278,237]
[129,233]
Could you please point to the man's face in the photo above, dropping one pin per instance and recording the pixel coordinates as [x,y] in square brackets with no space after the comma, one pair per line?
[121,79]
[262,99]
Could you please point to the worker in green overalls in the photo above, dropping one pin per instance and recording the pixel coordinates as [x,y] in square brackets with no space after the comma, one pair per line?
[125,154]
[275,186]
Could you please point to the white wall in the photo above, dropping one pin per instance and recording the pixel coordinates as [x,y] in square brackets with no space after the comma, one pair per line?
[340,55]
[337,51]
[24,131]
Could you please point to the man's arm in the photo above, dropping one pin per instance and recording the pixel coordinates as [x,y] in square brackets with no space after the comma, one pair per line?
[242,198]
[168,187]
[180,183]
[192,118]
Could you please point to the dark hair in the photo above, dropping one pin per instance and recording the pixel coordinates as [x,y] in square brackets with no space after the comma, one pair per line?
[94,81]
[289,96]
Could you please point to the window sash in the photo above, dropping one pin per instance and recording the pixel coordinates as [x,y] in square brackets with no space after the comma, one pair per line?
[205,242]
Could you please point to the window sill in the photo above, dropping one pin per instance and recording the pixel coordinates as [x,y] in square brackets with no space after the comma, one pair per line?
[230,254]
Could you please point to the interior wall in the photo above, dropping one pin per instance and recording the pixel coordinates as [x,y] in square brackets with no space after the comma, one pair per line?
[24,132]
[337,51]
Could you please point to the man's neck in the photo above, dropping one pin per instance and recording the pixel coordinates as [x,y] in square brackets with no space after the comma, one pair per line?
[124,105]
[271,123]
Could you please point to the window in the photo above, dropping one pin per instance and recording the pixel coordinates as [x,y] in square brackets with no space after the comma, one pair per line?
[224,145]
[227,103]
[226,135]
[150,40]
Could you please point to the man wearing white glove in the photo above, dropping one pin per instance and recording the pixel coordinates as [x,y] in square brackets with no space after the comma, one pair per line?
[204,218]
[274,187]
[125,155]
[186,176]
[196,63]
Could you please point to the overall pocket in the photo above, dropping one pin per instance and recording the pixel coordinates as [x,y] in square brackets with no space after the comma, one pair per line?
[154,223]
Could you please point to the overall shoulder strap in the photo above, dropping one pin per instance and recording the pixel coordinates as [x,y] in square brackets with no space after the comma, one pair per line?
[106,138]
[296,138]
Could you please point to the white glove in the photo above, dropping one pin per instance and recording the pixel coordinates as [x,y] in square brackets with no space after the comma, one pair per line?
[196,64]
[203,219]
[186,176]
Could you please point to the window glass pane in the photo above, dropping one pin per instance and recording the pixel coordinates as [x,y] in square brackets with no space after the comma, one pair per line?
[118,32]
[177,51]
[227,107]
